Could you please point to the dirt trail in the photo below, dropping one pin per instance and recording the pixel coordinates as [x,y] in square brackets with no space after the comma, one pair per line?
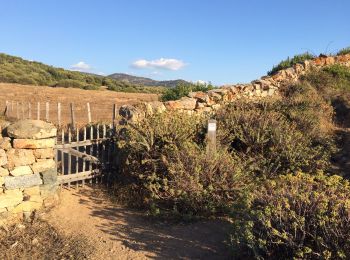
[120,233]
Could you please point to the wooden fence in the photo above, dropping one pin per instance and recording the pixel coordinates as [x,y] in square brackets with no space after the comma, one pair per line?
[53,112]
[85,154]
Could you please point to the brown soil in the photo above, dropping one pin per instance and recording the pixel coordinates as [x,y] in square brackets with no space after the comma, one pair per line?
[120,233]
[101,101]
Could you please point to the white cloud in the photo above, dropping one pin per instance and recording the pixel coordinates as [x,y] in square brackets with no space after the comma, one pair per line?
[162,63]
[201,82]
[81,66]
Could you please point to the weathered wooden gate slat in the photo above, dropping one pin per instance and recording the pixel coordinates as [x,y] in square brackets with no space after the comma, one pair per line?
[83,154]
[78,176]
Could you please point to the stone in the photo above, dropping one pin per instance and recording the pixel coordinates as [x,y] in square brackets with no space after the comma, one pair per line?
[31,191]
[19,157]
[11,198]
[44,153]
[49,176]
[51,201]
[5,143]
[31,129]
[188,103]
[34,144]
[24,181]
[43,165]
[201,96]
[27,206]
[214,96]
[21,170]
[172,105]
[4,172]
[2,181]
[131,113]
[3,157]
[154,107]
[47,190]
[200,105]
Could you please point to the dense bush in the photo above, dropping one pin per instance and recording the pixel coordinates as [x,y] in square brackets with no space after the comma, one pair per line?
[302,216]
[165,167]
[17,70]
[273,138]
[291,62]
[183,90]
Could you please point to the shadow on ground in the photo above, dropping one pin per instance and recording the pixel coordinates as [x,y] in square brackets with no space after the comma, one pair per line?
[159,240]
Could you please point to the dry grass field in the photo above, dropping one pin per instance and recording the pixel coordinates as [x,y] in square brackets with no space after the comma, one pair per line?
[101,101]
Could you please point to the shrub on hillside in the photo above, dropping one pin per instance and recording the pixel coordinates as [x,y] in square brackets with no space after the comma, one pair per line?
[344,51]
[183,90]
[69,83]
[290,62]
[165,167]
[302,216]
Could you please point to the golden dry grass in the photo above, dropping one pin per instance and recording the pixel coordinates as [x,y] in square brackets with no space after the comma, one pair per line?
[101,101]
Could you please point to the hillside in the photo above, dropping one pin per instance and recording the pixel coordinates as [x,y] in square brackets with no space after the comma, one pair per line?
[146,81]
[17,70]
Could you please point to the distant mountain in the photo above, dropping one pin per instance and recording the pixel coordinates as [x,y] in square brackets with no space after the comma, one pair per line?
[146,81]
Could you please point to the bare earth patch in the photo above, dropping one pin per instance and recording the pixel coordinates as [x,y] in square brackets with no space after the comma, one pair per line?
[120,233]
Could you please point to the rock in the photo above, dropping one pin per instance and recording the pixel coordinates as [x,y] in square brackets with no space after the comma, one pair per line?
[5,143]
[214,96]
[3,157]
[19,157]
[48,190]
[24,181]
[154,107]
[4,172]
[49,176]
[201,105]
[34,144]
[43,165]
[44,153]
[21,170]
[11,198]
[201,96]
[31,129]
[2,181]
[31,191]
[188,103]
[131,113]
[172,105]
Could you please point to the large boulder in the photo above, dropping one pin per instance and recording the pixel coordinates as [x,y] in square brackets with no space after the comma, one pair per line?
[3,157]
[31,129]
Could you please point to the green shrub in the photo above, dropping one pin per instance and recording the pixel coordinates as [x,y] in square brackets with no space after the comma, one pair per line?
[91,87]
[344,51]
[291,62]
[183,90]
[165,168]
[302,216]
[273,138]
[69,83]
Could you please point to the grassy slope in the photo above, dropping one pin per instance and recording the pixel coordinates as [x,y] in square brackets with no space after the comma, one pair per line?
[17,70]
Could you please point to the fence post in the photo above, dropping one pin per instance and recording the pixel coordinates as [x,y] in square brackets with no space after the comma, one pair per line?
[7,109]
[211,145]
[89,112]
[59,114]
[72,115]
[38,111]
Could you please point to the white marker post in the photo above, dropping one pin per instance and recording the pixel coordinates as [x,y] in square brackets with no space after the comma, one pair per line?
[211,145]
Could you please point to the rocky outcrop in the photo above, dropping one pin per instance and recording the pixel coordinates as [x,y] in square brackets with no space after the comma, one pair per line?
[209,102]
[28,175]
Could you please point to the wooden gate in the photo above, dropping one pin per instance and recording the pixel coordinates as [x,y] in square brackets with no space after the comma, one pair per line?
[84,154]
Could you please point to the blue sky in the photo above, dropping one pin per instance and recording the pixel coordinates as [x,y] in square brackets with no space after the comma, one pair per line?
[220,41]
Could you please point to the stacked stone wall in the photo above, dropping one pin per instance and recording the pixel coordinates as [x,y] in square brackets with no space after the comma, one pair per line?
[209,102]
[28,175]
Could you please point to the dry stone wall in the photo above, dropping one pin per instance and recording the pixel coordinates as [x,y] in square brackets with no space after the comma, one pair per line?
[209,102]
[28,175]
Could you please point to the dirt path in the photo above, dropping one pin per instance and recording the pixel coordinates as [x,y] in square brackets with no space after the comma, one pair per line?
[120,233]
